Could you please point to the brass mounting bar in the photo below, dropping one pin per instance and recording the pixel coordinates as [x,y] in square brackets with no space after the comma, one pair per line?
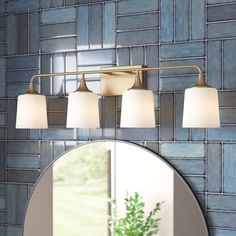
[200,81]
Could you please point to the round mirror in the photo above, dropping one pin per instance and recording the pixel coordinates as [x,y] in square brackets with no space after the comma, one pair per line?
[71,196]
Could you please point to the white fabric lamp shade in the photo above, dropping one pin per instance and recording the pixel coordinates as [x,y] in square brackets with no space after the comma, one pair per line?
[31,112]
[201,108]
[137,109]
[82,111]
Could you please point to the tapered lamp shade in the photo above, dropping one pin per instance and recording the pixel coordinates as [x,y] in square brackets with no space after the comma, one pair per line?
[82,111]
[31,112]
[137,109]
[201,108]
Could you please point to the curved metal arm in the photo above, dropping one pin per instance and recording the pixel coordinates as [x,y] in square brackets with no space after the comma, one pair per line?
[200,82]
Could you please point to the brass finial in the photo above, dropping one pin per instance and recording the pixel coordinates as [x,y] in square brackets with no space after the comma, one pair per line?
[137,82]
[201,81]
[83,86]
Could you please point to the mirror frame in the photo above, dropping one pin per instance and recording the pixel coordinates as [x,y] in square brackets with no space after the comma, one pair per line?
[130,143]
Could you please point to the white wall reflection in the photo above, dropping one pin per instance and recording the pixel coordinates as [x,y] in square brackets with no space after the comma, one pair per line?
[134,171]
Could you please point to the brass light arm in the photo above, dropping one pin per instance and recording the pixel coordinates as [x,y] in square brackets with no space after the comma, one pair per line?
[200,82]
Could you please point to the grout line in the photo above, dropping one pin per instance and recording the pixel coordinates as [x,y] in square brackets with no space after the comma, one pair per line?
[221,22]
[221,4]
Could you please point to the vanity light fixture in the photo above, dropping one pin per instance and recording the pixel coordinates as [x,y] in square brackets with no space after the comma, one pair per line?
[137,109]
[82,108]
[201,108]
[31,110]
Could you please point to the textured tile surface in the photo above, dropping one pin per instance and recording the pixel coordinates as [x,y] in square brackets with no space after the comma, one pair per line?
[198,19]
[214,59]
[137,37]
[62,29]
[166,117]
[183,150]
[219,202]
[215,168]
[59,45]
[22,5]
[69,35]
[137,21]
[96,57]
[167,21]
[58,15]
[182,50]
[133,6]
[221,30]
[229,69]
[221,13]
[229,168]
[182,20]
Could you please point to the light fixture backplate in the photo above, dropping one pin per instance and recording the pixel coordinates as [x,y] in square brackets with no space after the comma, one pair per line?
[115,83]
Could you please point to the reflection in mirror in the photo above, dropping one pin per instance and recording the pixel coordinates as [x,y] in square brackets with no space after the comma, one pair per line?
[80,191]
[71,197]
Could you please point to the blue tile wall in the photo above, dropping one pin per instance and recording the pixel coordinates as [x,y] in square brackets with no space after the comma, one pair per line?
[13,231]
[182,20]
[135,6]
[2,6]
[181,134]
[190,167]
[181,50]
[23,33]
[221,13]
[222,219]
[214,60]
[58,15]
[221,30]
[227,116]
[228,56]
[27,162]
[182,150]
[69,35]
[214,168]
[22,5]
[109,25]
[12,35]
[83,27]
[137,21]
[2,203]
[56,30]
[167,117]
[2,33]
[198,19]
[34,29]
[2,21]
[229,168]
[95,25]
[137,37]
[219,1]
[219,232]
[3,119]
[167,21]
[221,202]
[58,45]
[96,57]
[3,77]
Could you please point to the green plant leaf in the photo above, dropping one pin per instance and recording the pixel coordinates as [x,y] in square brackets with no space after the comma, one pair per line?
[133,223]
